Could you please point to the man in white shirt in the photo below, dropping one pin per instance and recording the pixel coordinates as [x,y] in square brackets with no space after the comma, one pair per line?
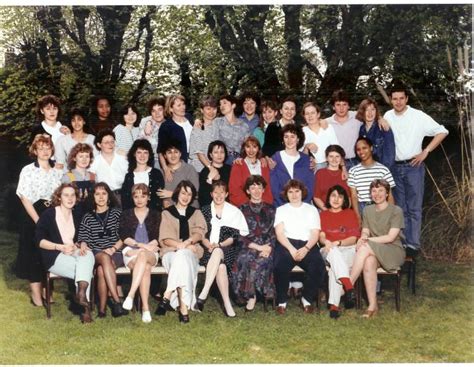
[409,127]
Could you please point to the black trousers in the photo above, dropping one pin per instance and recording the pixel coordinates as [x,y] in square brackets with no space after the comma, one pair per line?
[312,264]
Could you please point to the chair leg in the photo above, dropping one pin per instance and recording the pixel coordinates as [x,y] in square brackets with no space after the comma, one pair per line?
[413,277]
[358,286]
[397,291]
[48,295]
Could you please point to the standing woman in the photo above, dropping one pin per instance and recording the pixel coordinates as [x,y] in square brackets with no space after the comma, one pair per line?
[150,125]
[250,153]
[141,170]
[273,138]
[56,235]
[297,228]
[217,155]
[78,135]
[361,176]
[291,164]
[252,272]
[139,232]
[99,231]
[231,130]
[47,110]
[383,140]
[225,223]
[127,131]
[101,116]
[36,185]
[182,227]
[380,241]
[203,134]
[269,113]
[177,127]
[317,137]
[78,163]
[331,175]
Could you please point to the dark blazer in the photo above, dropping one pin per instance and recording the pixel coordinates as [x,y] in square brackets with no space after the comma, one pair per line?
[171,131]
[47,229]
[129,224]
[156,181]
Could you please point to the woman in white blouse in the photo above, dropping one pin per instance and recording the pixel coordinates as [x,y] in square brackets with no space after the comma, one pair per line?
[318,135]
[36,185]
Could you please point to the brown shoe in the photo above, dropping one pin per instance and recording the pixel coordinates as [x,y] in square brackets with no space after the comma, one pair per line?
[280,310]
[307,309]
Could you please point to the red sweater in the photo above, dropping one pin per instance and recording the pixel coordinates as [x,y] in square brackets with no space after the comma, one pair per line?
[238,175]
[325,179]
[341,225]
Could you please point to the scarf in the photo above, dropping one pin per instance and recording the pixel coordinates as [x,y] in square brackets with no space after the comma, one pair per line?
[183,220]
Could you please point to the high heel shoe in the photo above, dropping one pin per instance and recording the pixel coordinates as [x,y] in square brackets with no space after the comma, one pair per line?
[183,318]
[370,313]
[163,306]
[199,305]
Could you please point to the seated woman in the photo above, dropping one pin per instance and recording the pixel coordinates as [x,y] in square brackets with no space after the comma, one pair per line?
[217,170]
[139,232]
[339,233]
[250,165]
[291,164]
[126,132]
[182,227]
[225,223]
[78,162]
[380,241]
[99,232]
[56,234]
[361,175]
[252,272]
[179,170]
[328,177]
[141,170]
[297,231]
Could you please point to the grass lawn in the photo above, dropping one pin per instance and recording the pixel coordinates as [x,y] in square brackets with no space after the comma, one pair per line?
[436,325]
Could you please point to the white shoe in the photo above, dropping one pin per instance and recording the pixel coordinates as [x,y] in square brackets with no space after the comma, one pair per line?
[128,303]
[146,317]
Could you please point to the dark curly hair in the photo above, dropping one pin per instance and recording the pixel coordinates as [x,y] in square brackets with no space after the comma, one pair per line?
[340,190]
[140,144]
[185,184]
[296,130]
[56,198]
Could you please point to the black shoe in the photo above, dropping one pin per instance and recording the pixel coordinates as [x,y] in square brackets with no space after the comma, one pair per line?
[117,309]
[350,299]
[101,314]
[199,305]
[183,318]
[411,252]
[163,306]
[334,314]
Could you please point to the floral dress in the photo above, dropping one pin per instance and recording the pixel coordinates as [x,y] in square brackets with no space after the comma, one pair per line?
[252,274]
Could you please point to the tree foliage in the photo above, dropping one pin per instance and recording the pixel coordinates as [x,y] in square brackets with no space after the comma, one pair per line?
[131,52]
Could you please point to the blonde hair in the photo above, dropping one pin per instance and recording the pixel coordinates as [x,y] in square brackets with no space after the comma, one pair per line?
[170,101]
[40,139]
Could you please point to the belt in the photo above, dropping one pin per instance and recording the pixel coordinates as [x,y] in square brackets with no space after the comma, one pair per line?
[406,161]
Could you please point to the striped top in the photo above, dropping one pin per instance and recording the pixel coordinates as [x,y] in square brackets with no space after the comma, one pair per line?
[360,178]
[100,231]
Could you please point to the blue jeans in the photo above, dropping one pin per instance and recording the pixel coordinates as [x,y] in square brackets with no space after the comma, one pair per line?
[408,195]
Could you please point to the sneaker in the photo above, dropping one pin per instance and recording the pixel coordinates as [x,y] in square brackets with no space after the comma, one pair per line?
[128,303]
[146,317]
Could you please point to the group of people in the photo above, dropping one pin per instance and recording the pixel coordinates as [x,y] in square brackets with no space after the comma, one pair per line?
[248,197]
